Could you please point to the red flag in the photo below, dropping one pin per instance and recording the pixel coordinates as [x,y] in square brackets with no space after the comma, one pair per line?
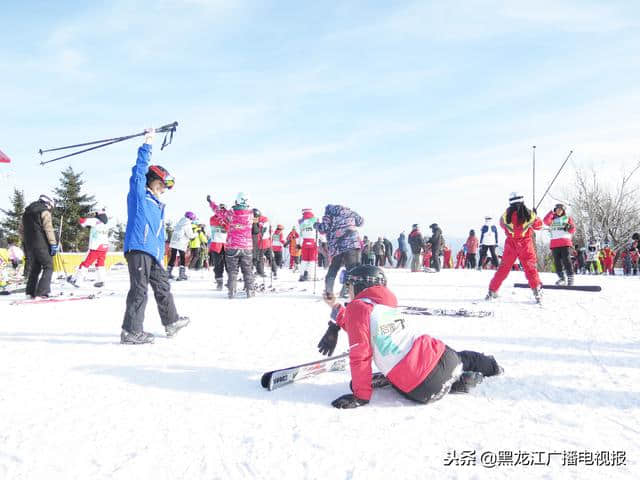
[4,158]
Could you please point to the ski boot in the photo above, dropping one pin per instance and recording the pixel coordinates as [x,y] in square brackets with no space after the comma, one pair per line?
[170,272]
[570,280]
[218,284]
[182,275]
[232,293]
[466,382]
[129,338]
[561,280]
[250,291]
[73,281]
[491,295]
[537,294]
[174,327]
[304,277]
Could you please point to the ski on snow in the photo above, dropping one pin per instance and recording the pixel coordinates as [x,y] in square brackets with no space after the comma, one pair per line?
[578,288]
[286,376]
[444,312]
[58,299]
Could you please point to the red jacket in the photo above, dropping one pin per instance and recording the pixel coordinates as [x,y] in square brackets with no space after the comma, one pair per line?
[409,372]
[472,244]
[562,229]
[517,231]
[219,226]
[264,237]
[277,240]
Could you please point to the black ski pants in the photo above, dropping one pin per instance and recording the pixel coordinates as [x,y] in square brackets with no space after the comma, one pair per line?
[217,261]
[483,255]
[471,260]
[145,271]
[562,261]
[194,261]
[174,254]
[349,258]
[40,262]
[239,259]
[447,372]
[277,258]
[435,258]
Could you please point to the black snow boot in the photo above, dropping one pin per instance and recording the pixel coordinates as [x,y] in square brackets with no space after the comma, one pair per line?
[561,279]
[570,279]
[218,284]
[304,277]
[183,274]
[466,382]
[170,272]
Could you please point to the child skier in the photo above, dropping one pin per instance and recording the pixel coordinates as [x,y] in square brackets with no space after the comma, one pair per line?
[292,243]
[277,242]
[518,223]
[98,247]
[309,246]
[606,257]
[183,233]
[418,366]
[219,226]
[562,229]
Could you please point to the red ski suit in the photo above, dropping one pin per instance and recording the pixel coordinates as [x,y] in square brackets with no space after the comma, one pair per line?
[607,256]
[219,225]
[409,372]
[518,245]
[460,259]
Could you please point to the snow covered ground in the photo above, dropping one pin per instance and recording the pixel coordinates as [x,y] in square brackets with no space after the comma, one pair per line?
[74,403]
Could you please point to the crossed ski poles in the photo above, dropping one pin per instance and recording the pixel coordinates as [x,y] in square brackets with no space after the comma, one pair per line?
[168,130]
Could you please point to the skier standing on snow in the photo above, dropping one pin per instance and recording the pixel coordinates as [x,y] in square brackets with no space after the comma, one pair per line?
[219,225]
[472,249]
[183,233]
[239,247]
[388,251]
[277,242]
[195,245]
[416,242]
[40,245]
[607,257]
[292,243]
[340,225]
[264,245]
[518,223]
[144,249]
[593,264]
[418,366]
[378,250]
[562,229]
[402,246]
[488,241]
[309,247]
[98,247]
[436,242]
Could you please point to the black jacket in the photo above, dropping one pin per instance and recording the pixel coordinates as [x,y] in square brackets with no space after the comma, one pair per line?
[35,234]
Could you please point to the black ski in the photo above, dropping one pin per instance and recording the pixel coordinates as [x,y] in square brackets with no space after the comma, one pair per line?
[285,376]
[579,288]
[444,312]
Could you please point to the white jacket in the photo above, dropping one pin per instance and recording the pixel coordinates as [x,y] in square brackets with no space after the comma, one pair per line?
[182,233]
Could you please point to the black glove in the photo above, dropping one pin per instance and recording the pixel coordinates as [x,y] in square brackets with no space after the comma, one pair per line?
[567,227]
[208,198]
[327,344]
[348,401]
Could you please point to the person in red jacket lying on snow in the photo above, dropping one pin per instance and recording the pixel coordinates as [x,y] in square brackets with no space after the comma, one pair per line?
[420,367]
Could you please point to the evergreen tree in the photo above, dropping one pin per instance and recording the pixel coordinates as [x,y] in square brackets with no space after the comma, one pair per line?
[10,226]
[117,233]
[71,205]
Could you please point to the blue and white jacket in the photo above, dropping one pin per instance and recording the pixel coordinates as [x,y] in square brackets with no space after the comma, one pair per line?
[145,224]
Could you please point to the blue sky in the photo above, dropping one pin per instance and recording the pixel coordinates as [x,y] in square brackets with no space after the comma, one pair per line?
[406,111]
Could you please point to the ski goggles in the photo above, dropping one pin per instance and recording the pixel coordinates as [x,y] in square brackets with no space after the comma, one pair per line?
[169,181]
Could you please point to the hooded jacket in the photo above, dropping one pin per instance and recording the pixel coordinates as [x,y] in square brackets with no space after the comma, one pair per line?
[340,225]
[38,227]
[378,332]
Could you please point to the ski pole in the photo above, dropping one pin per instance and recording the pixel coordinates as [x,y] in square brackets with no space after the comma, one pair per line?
[169,129]
[554,179]
[534,175]
[315,265]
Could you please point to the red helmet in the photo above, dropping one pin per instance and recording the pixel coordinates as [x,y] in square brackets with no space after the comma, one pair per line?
[156,172]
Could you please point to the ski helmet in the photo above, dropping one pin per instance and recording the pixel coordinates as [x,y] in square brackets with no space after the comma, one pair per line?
[48,201]
[156,172]
[515,197]
[364,276]
[280,227]
[256,212]
[190,215]
[242,199]
[560,205]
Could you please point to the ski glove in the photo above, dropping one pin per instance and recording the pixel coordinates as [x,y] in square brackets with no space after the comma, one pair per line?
[567,227]
[208,198]
[349,401]
[53,249]
[328,342]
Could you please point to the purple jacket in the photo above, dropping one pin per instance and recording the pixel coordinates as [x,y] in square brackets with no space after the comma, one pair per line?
[340,224]
[239,219]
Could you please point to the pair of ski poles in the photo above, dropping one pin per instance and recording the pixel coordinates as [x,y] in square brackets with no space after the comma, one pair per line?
[168,130]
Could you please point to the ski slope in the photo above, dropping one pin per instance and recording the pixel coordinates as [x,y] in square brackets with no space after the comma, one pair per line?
[74,403]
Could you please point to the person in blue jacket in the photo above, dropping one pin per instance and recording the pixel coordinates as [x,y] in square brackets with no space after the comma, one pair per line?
[144,249]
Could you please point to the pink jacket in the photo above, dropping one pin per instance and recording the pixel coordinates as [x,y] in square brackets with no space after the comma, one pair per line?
[239,219]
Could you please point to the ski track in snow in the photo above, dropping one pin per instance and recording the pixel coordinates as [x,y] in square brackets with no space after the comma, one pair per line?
[77,404]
